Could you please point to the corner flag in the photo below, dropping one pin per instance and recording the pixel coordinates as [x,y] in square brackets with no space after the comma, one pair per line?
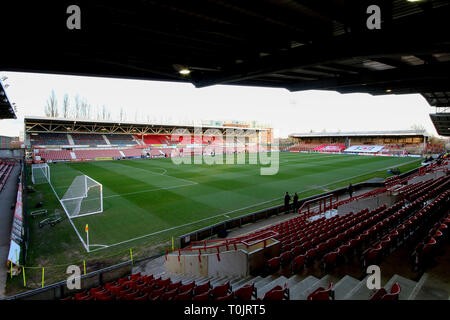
[87,228]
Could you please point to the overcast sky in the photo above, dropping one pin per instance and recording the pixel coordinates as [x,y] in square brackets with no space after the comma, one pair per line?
[287,112]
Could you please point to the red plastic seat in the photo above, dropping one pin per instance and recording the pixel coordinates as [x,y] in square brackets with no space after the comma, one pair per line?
[186,287]
[227,297]
[141,298]
[329,260]
[169,295]
[174,285]
[245,292]
[104,296]
[92,291]
[163,283]
[273,264]
[220,291]
[184,296]
[322,294]
[382,294]
[131,296]
[203,296]
[277,293]
[298,263]
[199,289]
[135,276]
[297,250]
[157,293]
[285,258]
[130,284]
[310,256]
[79,296]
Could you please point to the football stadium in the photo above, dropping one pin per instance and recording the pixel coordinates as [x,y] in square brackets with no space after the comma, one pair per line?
[110,210]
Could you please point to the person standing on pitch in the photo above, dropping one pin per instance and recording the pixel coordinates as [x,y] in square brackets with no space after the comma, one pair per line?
[295,202]
[350,190]
[287,199]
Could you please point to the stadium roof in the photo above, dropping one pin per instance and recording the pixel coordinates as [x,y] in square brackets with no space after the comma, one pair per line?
[44,124]
[292,44]
[442,123]
[6,109]
[359,134]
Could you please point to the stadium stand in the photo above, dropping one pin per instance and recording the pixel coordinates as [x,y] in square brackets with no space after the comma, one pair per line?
[88,139]
[132,152]
[92,154]
[304,147]
[154,139]
[121,139]
[5,171]
[49,139]
[54,155]
[330,148]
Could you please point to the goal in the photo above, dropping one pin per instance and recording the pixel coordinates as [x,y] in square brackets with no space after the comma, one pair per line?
[40,173]
[83,197]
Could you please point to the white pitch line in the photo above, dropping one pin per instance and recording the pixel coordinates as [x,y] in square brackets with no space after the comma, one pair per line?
[159,174]
[150,190]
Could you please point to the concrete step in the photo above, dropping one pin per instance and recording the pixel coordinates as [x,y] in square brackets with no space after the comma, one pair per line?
[278,281]
[241,282]
[344,286]
[360,291]
[407,286]
[219,281]
[294,280]
[425,291]
[297,290]
[250,281]
[262,282]
[324,283]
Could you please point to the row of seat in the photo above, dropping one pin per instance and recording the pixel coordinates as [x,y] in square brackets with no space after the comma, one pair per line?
[5,171]
[142,287]
[121,139]
[88,139]
[49,139]
[404,224]
[319,239]
[433,230]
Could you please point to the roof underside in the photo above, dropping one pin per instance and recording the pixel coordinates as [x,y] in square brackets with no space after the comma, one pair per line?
[442,123]
[292,44]
[397,133]
[6,109]
[56,125]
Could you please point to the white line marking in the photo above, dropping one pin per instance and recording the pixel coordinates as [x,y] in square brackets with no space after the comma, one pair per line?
[150,190]
[159,174]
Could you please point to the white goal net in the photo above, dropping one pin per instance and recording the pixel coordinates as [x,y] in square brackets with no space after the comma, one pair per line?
[40,173]
[83,197]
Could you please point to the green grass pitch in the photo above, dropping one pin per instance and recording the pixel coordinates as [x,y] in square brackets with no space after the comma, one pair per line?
[152,200]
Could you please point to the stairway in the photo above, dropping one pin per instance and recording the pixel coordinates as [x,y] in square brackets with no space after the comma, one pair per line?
[106,139]
[70,139]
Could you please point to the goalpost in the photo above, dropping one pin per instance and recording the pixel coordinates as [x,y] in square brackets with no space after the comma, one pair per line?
[40,173]
[84,197]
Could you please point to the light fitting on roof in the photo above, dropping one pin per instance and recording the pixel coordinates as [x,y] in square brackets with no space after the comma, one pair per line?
[184,71]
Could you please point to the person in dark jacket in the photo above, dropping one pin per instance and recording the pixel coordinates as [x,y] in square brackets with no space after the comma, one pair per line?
[295,202]
[350,190]
[287,199]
